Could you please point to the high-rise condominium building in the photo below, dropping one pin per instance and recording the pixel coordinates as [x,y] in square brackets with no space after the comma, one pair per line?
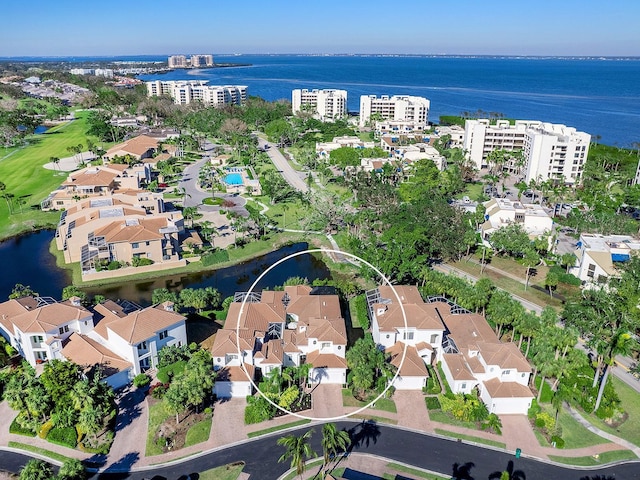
[551,151]
[202,60]
[177,61]
[397,107]
[187,91]
[326,105]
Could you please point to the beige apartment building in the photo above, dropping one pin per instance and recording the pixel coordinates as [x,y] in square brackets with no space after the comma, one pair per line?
[397,107]
[326,105]
[551,151]
[185,92]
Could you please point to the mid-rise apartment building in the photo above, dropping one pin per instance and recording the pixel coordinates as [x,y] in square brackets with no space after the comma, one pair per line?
[177,61]
[326,105]
[551,151]
[202,61]
[192,61]
[188,91]
[396,107]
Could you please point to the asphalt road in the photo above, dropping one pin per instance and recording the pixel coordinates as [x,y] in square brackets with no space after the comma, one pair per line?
[290,175]
[460,460]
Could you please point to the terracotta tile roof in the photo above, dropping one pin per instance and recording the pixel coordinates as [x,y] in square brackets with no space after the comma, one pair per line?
[145,229]
[407,293]
[328,332]
[497,389]
[413,365]
[422,316]
[235,374]
[423,346]
[457,366]
[475,365]
[273,352]
[468,330]
[505,355]
[135,146]
[226,342]
[326,360]
[84,351]
[91,177]
[142,324]
[48,317]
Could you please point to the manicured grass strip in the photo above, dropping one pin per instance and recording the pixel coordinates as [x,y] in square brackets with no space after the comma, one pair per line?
[415,472]
[573,433]
[198,433]
[443,417]
[279,427]
[376,419]
[157,415]
[384,404]
[227,472]
[630,402]
[309,467]
[589,461]
[471,438]
[41,451]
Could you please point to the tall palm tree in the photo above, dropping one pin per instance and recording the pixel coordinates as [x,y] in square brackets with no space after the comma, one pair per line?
[298,450]
[333,441]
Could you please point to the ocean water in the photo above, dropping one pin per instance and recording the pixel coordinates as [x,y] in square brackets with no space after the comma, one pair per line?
[598,96]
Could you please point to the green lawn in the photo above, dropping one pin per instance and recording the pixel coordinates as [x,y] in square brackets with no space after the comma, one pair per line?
[630,400]
[279,427]
[472,190]
[414,472]
[198,433]
[24,177]
[471,438]
[594,460]
[40,451]
[384,404]
[311,466]
[157,415]
[227,472]
[575,435]
[375,418]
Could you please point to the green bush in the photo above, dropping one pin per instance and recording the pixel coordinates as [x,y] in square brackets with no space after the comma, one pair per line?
[432,403]
[45,429]
[158,390]
[433,385]
[255,414]
[558,441]
[114,265]
[534,409]
[18,429]
[166,373]
[67,437]
[141,380]
[215,257]
[539,422]
[546,421]
[360,307]
[141,261]
[564,277]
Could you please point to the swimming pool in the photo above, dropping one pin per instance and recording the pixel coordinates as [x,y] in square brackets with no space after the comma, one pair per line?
[233,179]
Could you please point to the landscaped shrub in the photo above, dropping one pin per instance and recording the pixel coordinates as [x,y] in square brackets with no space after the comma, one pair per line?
[433,385]
[141,380]
[360,307]
[559,442]
[114,265]
[18,429]
[534,409]
[45,429]
[166,373]
[546,421]
[432,403]
[254,414]
[157,390]
[141,261]
[67,437]
[218,256]
[564,277]
[97,445]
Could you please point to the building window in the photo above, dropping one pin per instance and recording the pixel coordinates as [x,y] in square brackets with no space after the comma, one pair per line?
[326,345]
[164,334]
[591,270]
[506,372]
[408,336]
[434,338]
[135,245]
[463,386]
[142,346]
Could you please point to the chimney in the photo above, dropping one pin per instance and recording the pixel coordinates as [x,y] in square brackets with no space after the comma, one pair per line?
[168,306]
[75,301]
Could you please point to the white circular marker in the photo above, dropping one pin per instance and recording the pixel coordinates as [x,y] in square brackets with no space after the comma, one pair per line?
[282,260]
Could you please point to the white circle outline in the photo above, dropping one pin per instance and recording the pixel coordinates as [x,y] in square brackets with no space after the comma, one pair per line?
[244,301]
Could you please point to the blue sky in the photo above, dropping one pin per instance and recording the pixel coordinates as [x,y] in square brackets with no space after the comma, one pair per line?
[492,27]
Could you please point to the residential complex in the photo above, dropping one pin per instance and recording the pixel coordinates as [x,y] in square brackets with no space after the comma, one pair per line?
[597,255]
[397,107]
[185,92]
[278,329]
[323,149]
[551,151]
[326,105]
[121,339]
[471,355]
[193,61]
[98,72]
[500,212]
[410,148]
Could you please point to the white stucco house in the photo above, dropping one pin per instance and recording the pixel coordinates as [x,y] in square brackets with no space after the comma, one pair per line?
[597,256]
[278,329]
[122,341]
[500,212]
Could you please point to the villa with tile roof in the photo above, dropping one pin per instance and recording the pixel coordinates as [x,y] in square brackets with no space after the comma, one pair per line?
[471,355]
[122,340]
[139,148]
[278,329]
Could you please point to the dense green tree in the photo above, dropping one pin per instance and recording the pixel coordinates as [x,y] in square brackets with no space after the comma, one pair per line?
[73,291]
[36,470]
[161,295]
[58,378]
[368,368]
[20,291]
[72,469]
[511,240]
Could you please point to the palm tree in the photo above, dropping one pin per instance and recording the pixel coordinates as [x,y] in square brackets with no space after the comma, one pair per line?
[36,470]
[620,344]
[6,195]
[55,161]
[333,441]
[494,423]
[298,450]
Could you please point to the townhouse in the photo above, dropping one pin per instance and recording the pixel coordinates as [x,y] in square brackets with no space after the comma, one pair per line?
[551,151]
[121,340]
[500,212]
[323,149]
[471,355]
[139,148]
[278,329]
